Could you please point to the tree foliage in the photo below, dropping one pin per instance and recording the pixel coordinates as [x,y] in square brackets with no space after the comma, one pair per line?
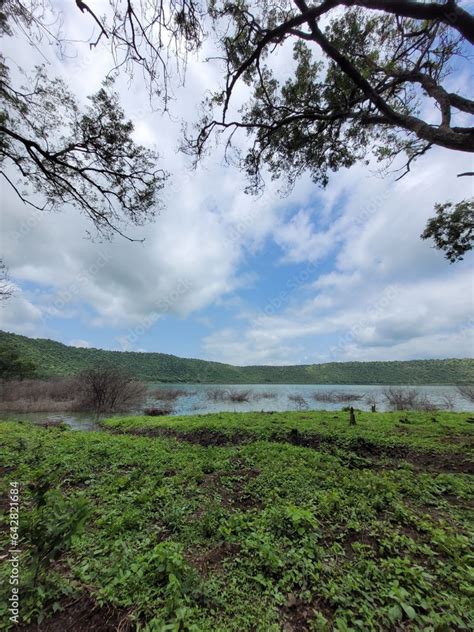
[452,228]
[364,80]
[56,359]
[357,84]
[15,366]
[54,150]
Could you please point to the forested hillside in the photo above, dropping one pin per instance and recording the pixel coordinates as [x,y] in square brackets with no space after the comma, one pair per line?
[56,359]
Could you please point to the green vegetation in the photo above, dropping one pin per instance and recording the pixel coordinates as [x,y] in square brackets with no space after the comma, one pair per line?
[13,366]
[55,359]
[239,522]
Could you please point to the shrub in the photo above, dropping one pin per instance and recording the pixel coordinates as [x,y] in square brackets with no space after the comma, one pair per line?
[334,397]
[169,394]
[265,395]
[217,394]
[222,395]
[41,395]
[158,411]
[298,400]
[466,391]
[107,389]
[448,401]
[100,389]
[239,396]
[407,399]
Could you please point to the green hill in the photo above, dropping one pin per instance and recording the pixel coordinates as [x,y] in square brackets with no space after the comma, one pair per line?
[56,359]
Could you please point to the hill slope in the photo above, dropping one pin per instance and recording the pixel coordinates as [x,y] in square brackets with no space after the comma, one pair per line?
[56,359]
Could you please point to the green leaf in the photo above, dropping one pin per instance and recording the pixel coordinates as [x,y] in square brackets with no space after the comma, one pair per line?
[409,611]
[395,613]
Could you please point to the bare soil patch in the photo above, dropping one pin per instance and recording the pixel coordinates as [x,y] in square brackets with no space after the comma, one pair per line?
[297,616]
[231,487]
[421,460]
[83,615]
[211,560]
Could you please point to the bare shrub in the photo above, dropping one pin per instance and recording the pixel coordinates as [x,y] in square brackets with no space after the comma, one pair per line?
[424,403]
[226,395]
[63,395]
[239,396]
[401,398]
[407,399]
[169,394]
[336,397]
[107,389]
[466,391]
[264,395]
[158,411]
[448,401]
[298,400]
[100,389]
[371,400]
[217,394]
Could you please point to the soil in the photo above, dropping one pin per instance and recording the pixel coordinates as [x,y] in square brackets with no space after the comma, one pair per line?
[231,487]
[211,560]
[454,462]
[82,615]
[296,616]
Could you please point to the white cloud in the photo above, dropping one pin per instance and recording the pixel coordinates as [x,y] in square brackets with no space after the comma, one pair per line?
[389,295]
[83,344]
[194,253]
[19,314]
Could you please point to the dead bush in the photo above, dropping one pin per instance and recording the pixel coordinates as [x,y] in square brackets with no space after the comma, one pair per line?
[466,391]
[264,395]
[407,399]
[336,397]
[239,396]
[227,395]
[158,411]
[60,395]
[169,394]
[298,400]
[217,394]
[108,389]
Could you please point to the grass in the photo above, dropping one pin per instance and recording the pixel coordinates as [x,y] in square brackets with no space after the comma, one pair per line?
[439,431]
[249,521]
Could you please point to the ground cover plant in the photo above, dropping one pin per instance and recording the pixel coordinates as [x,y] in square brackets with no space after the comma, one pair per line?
[246,521]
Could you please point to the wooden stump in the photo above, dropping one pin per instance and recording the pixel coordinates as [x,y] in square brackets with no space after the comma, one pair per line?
[352,419]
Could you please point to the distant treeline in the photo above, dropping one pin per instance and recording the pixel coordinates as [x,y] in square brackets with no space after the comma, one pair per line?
[53,359]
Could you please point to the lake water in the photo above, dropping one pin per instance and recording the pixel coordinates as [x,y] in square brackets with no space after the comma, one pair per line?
[265,397]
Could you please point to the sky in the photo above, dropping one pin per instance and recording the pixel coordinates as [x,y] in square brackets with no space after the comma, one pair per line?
[318,276]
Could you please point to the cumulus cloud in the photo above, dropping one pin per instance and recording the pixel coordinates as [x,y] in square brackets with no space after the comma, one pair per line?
[19,314]
[369,287]
[389,294]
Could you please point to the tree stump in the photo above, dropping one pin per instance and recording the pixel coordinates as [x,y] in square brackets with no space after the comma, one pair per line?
[352,419]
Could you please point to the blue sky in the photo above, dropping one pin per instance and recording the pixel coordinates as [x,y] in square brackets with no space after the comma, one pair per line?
[339,274]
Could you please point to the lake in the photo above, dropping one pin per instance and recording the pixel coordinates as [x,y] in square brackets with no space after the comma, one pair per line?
[265,397]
